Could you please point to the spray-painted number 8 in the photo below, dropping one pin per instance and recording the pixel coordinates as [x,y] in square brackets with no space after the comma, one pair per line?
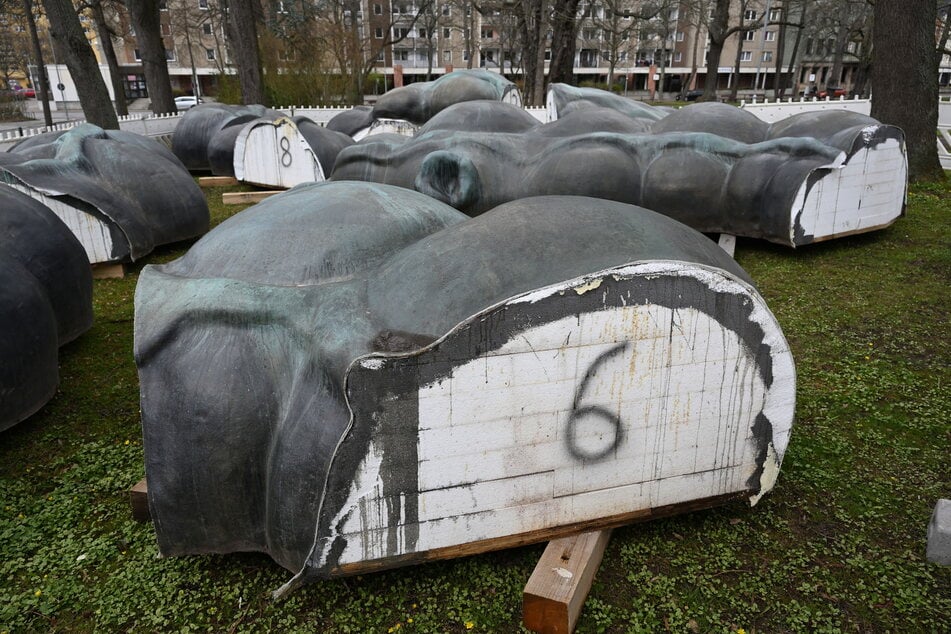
[286,158]
[608,442]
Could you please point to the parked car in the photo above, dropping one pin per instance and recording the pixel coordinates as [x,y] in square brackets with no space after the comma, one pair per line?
[188,101]
[832,91]
[692,95]
[24,93]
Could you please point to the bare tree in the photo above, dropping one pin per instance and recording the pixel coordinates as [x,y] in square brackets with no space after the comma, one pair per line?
[242,30]
[905,79]
[145,18]
[719,30]
[42,80]
[105,34]
[66,30]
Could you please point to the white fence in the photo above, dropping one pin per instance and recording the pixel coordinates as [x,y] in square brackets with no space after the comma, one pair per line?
[146,125]
[770,111]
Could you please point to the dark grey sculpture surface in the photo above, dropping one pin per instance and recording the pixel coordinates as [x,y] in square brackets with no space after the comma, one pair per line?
[421,101]
[272,307]
[563,99]
[45,302]
[742,181]
[481,116]
[325,143]
[352,121]
[221,144]
[133,184]
[200,124]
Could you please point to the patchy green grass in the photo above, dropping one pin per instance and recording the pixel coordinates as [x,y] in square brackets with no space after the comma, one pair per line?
[838,546]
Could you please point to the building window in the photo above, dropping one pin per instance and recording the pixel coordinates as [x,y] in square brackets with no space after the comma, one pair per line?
[380,57]
[447,57]
[206,29]
[169,55]
[680,36]
[421,33]
[770,36]
[166,29]
[400,32]
[678,56]
[446,10]
[210,54]
[749,14]
[400,56]
[775,15]
[446,33]
[137,55]
[749,36]
[378,33]
[378,9]
[767,56]
[547,54]
[746,56]
[589,34]
[622,56]
[163,5]
[465,56]
[486,33]
[203,4]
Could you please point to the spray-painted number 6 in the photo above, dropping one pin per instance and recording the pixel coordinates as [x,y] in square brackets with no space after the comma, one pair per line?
[578,412]
[286,157]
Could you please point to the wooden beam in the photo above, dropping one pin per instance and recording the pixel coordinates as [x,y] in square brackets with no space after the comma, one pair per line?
[108,270]
[555,593]
[241,198]
[216,181]
[533,537]
[727,242]
[139,497]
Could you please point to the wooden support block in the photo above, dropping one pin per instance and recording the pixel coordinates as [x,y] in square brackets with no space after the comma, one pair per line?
[556,591]
[216,181]
[727,242]
[240,198]
[108,270]
[139,497]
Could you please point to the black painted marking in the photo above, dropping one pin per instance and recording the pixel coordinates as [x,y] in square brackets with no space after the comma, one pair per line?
[286,158]
[571,438]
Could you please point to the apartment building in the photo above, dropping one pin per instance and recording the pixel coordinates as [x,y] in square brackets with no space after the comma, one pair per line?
[629,42]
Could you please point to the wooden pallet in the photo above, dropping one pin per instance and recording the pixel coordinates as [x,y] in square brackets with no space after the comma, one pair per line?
[241,198]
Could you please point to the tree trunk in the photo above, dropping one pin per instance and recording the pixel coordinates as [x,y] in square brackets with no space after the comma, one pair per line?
[144,15]
[719,25]
[542,29]
[779,87]
[564,35]
[109,52]
[243,36]
[66,30]
[44,84]
[905,79]
[834,78]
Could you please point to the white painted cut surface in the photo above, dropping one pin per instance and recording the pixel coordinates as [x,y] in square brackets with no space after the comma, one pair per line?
[493,448]
[91,232]
[275,154]
[865,193]
[387,126]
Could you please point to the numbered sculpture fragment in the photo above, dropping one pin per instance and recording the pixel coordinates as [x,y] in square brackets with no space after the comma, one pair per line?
[120,194]
[403,381]
[286,152]
[45,302]
[716,168]
[204,138]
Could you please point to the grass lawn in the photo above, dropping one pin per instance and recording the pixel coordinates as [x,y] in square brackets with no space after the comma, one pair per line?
[838,545]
